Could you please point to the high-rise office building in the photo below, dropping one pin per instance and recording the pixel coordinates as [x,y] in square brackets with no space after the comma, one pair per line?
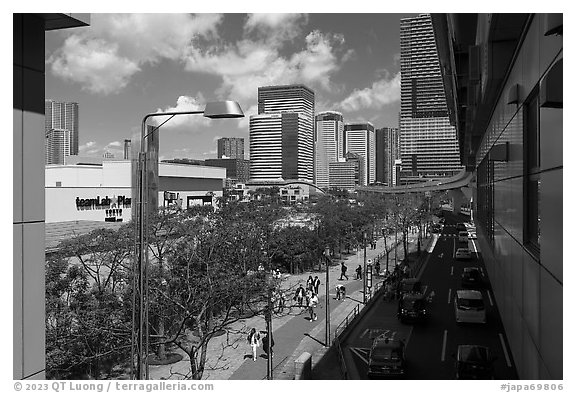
[387,151]
[57,146]
[63,116]
[230,148]
[282,134]
[359,138]
[346,173]
[328,145]
[428,143]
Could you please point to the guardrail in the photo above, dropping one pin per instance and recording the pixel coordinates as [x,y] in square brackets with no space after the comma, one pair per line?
[343,368]
[344,324]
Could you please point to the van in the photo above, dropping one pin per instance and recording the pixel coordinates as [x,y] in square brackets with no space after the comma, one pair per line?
[463,236]
[386,358]
[469,307]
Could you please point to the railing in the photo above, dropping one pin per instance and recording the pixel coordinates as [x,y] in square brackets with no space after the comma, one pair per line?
[343,368]
[349,318]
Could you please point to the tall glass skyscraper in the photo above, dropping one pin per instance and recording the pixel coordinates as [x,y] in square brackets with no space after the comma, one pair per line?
[282,134]
[328,145]
[428,143]
[63,116]
[359,138]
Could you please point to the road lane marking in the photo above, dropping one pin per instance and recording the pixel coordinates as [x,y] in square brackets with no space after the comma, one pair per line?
[452,271]
[504,349]
[444,345]
[474,245]
[449,295]
[490,298]
[454,249]
[482,272]
[362,353]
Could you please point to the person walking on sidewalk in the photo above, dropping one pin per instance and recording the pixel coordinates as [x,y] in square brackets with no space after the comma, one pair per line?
[311,306]
[265,344]
[316,284]
[254,341]
[359,272]
[309,283]
[299,296]
[377,268]
[343,269]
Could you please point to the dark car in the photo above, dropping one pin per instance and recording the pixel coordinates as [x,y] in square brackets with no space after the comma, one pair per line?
[442,220]
[386,358]
[461,227]
[412,307]
[474,362]
[436,228]
[471,278]
[410,285]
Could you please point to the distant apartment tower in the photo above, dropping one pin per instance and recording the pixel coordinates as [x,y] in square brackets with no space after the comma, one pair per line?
[328,145]
[282,134]
[230,148]
[428,143]
[237,170]
[387,150]
[57,146]
[63,116]
[346,173]
[359,138]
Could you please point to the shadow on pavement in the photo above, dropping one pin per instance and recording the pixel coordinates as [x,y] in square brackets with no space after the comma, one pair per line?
[328,367]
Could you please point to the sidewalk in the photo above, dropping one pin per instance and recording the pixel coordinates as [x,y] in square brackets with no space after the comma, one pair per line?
[229,356]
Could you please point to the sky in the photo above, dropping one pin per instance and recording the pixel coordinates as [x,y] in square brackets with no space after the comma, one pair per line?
[124,66]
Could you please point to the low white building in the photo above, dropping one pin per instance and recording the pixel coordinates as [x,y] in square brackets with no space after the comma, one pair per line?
[104,192]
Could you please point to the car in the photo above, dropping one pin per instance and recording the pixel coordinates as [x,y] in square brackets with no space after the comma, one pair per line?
[412,307]
[460,227]
[386,357]
[471,278]
[435,228]
[442,221]
[472,234]
[474,362]
[463,236]
[410,285]
[469,306]
[463,253]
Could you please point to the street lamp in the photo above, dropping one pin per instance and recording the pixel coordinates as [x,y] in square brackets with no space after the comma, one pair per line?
[327,255]
[140,330]
[364,269]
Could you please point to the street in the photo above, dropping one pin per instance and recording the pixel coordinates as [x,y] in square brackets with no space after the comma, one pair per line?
[431,346]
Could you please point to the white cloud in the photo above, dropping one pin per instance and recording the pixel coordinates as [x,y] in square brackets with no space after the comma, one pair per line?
[115,144]
[275,28]
[209,153]
[183,104]
[244,123]
[104,57]
[87,145]
[382,92]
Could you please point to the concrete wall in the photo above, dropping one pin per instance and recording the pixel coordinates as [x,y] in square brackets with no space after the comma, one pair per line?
[528,287]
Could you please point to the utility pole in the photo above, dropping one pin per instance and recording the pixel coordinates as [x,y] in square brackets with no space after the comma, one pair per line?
[327,255]
[364,270]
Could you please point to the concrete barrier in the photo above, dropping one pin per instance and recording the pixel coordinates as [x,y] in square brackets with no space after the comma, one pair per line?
[303,366]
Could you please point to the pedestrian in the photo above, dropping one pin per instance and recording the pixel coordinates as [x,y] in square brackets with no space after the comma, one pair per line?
[377,268]
[359,272]
[316,284]
[312,305]
[309,293]
[299,296]
[261,268]
[254,341]
[343,269]
[265,344]
[340,292]
[309,283]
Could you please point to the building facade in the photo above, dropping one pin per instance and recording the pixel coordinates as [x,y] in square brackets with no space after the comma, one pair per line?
[63,116]
[387,151]
[57,146]
[507,106]
[230,148]
[28,322]
[359,138]
[328,145]
[237,170]
[346,173]
[428,143]
[282,134]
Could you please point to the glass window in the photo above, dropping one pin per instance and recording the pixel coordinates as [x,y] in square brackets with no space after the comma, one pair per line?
[532,173]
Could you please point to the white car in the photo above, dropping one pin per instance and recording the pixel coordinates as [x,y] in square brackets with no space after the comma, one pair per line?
[472,234]
[469,307]
[463,253]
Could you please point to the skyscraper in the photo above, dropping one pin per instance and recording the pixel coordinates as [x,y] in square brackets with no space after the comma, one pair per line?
[328,145]
[428,144]
[57,146]
[387,151]
[63,116]
[359,138]
[230,147]
[282,134]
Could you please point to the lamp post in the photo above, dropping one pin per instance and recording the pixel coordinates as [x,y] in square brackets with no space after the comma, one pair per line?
[364,269]
[140,306]
[327,255]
